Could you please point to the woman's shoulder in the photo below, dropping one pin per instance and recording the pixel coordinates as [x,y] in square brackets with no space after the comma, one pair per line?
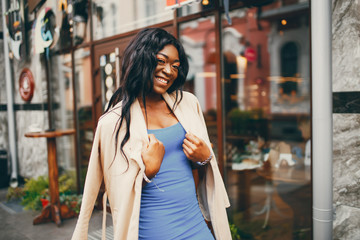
[188,95]
[110,117]
[189,99]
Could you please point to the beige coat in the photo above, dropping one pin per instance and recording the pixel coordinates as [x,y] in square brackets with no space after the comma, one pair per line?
[123,182]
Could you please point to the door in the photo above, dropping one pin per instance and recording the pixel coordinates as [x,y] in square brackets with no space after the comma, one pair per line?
[106,77]
[107,62]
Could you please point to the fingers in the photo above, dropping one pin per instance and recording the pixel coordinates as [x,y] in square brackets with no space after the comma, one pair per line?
[187,152]
[192,138]
[189,144]
[152,138]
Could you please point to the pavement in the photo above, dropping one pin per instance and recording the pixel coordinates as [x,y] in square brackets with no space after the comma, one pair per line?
[16,224]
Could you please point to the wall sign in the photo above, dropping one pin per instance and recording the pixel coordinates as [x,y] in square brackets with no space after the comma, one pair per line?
[44,30]
[26,85]
[15,28]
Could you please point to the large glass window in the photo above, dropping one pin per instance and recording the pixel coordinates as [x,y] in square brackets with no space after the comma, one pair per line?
[266,83]
[198,39]
[110,17]
[63,109]
[84,114]
[195,6]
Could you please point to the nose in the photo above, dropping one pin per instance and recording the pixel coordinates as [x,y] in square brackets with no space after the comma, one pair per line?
[167,69]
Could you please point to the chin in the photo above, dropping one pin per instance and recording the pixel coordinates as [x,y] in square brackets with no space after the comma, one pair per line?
[159,91]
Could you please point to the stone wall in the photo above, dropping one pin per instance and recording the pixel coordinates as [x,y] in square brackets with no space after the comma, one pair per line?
[346,126]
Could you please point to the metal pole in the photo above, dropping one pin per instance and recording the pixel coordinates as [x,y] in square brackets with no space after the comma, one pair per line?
[321,36]
[10,104]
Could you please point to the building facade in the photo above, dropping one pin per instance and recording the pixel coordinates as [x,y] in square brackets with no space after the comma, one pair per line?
[250,68]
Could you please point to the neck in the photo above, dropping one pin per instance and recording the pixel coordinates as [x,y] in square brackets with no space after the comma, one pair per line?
[152,99]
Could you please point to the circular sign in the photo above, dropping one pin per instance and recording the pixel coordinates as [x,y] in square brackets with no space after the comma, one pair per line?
[108,69]
[109,82]
[250,54]
[26,85]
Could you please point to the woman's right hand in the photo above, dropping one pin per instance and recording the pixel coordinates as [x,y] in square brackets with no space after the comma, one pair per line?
[152,155]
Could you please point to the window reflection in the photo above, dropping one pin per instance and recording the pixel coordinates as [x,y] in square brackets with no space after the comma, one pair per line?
[195,6]
[266,98]
[198,39]
[111,18]
[83,108]
[62,84]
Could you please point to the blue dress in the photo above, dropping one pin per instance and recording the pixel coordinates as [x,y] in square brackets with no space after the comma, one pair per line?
[169,207]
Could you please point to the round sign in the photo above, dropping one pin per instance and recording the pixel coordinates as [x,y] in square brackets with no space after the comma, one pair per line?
[26,85]
[108,69]
[250,54]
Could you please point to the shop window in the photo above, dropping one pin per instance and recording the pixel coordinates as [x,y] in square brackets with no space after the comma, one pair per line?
[85,128]
[289,68]
[266,99]
[195,6]
[198,39]
[138,14]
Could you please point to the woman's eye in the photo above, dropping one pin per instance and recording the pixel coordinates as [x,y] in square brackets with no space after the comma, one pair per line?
[161,61]
[176,67]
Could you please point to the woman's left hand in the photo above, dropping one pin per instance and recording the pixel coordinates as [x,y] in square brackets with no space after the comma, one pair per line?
[195,148]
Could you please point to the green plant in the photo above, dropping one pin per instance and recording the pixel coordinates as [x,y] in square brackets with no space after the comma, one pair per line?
[67,183]
[235,233]
[34,189]
[72,201]
[14,193]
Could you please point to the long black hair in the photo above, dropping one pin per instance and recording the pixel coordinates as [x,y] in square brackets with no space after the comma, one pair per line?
[137,74]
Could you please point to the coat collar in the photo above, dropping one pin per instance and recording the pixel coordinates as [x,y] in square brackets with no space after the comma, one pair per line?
[138,127]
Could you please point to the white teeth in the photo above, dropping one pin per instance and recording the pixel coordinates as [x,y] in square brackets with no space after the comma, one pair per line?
[162,80]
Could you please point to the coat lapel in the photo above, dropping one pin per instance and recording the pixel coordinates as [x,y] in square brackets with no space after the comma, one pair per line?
[138,132]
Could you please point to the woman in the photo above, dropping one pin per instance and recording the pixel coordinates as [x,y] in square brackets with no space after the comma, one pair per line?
[145,144]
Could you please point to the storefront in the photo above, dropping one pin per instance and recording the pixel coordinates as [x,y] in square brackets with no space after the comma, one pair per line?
[249,68]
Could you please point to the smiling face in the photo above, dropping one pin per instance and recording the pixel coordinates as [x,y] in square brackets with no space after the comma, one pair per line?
[166,70]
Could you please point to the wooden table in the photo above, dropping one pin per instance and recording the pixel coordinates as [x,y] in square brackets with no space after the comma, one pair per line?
[53,211]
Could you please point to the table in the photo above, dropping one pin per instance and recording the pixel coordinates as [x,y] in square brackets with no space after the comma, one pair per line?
[296,176]
[53,211]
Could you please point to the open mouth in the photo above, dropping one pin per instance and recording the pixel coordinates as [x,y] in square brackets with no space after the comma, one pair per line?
[162,80]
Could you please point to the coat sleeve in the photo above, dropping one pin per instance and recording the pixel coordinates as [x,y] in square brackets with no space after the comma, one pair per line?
[217,173]
[219,220]
[93,181]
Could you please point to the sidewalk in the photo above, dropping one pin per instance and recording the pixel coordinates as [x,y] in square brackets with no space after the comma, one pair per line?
[16,224]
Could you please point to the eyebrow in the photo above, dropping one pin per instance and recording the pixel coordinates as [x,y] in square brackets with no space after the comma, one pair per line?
[167,57]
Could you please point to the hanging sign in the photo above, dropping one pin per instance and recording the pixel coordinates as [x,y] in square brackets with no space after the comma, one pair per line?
[26,85]
[44,30]
[172,4]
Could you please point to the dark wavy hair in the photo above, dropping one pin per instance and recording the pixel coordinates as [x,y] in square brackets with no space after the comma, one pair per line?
[137,74]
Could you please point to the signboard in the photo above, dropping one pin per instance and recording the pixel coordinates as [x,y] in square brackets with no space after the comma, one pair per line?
[44,30]
[26,85]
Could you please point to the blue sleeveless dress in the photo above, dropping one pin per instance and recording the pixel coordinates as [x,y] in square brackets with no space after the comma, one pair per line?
[169,206]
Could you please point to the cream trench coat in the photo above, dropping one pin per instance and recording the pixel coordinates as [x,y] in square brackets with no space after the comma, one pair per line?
[123,181]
